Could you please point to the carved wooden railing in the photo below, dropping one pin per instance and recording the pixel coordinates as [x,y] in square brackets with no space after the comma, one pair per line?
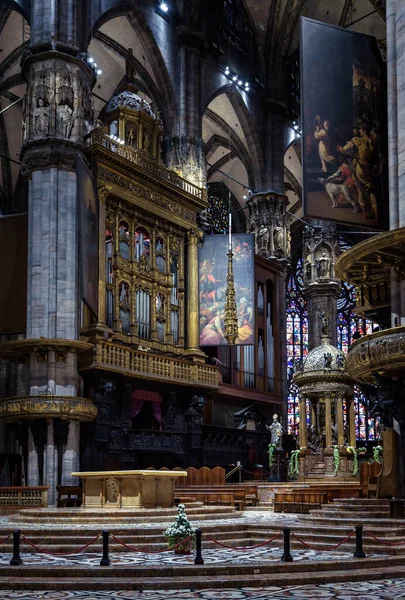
[130,362]
[139,158]
[24,497]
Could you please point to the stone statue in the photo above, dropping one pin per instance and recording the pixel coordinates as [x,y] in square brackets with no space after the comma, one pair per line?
[194,413]
[308,266]
[41,117]
[340,361]
[65,120]
[323,265]
[146,142]
[327,357]
[278,238]
[324,323]
[276,431]
[263,239]
[288,242]
[130,136]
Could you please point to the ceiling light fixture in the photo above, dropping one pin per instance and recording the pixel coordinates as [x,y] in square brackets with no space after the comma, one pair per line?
[164,7]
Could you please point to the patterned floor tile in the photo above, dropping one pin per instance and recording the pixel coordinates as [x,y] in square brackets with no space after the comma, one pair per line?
[387,589]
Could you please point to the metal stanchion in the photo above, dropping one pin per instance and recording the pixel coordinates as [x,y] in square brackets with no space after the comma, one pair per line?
[105,561]
[359,553]
[16,560]
[287,554]
[198,556]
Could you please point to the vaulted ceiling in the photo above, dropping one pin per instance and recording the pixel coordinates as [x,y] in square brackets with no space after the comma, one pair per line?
[227,133]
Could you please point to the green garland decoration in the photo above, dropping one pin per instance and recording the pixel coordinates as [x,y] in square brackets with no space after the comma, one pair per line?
[353,451]
[271,447]
[293,463]
[361,450]
[336,459]
[378,454]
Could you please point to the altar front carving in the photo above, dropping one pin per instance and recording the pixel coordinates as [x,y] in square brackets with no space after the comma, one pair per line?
[129,489]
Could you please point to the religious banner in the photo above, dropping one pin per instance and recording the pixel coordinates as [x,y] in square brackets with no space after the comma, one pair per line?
[213,270]
[88,236]
[344,126]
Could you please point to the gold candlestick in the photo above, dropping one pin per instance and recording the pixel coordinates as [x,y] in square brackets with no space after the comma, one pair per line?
[231,317]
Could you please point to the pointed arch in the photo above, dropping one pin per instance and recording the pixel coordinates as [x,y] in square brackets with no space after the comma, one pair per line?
[143,32]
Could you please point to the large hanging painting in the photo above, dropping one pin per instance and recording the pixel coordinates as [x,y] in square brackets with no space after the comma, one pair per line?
[213,268]
[343,112]
[88,236]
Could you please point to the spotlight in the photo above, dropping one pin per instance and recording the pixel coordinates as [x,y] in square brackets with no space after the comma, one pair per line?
[244,197]
[94,65]
[240,82]
[122,142]
[246,84]
[99,72]
[227,71]
[164,7]
[90,60]
[234,78]
[296,127]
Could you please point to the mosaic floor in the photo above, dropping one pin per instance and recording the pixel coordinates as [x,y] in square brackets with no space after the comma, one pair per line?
[211,556]
[373,590]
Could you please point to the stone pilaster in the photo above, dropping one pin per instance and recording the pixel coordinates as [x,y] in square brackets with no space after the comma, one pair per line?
[50,464]
[193,351]
[32,467]
[71,459]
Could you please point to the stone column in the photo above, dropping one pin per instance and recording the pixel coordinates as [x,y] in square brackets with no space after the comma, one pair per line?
[328,421]
[303,424]
[395,11]
[50,464]
[32,467]
[321,287]
[275,148]
[71,458]
[352,422]
[193,335]
[339,421]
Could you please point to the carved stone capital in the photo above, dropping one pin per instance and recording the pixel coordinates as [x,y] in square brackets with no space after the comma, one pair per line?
[268,220]
[58,101]
[103,192]
[49,152]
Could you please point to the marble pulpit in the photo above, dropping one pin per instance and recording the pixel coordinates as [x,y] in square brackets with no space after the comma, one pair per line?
[129,489]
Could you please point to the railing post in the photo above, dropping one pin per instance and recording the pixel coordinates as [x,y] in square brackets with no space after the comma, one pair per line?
[287,554]
[198,556]
[359,553]
[105,561]
[16,560]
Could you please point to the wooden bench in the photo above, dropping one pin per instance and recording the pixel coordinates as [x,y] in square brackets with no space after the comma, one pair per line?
[229,494]
[69,496]
[299,502]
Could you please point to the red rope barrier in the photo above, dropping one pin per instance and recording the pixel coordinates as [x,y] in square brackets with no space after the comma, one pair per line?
[243,547]
[402,543]
[59,553]
[6,538]
[149,551]
[326,548]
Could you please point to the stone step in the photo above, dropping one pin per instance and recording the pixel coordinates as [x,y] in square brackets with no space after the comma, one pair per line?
[344,514]
[317,517]
[198,577]
[362,501]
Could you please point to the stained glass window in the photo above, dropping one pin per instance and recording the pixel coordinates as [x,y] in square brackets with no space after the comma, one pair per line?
[349,328]
[297,342]
[217,214]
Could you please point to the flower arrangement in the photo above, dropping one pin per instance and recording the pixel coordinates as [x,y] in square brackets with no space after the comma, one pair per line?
[293,463]
[336,459]
[271,447]
[353,451]
[361,450]
[180,530]
[378,454]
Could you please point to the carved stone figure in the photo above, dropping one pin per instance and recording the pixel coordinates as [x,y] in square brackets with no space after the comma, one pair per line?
[111,491]
[323,265]
[278,238]
[146,143]
[327,360]
[65,120]
[130,136]
[194,413]
[324,323]
[276,431]
[41,118]
[340,361]
[263,239]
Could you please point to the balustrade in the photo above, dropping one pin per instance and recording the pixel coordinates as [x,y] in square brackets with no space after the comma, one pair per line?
[24,496]
[137,362]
